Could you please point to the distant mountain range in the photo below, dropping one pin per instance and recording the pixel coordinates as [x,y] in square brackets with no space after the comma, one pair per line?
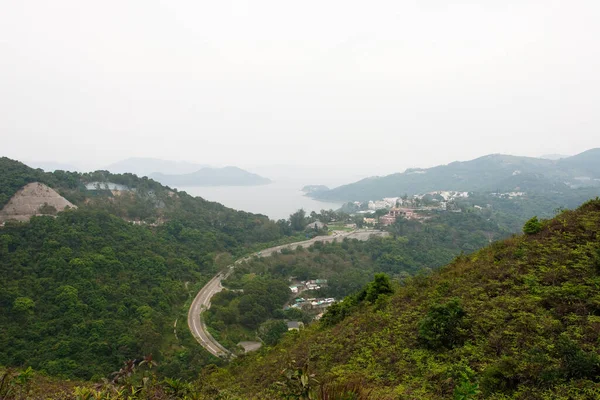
[495,172]
[51,166]
[227,176]
[142,166]
[183,173]
[554,156]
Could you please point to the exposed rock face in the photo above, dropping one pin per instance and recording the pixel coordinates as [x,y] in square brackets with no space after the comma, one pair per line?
[33,199]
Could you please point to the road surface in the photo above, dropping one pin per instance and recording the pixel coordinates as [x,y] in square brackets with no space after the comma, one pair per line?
[202,300]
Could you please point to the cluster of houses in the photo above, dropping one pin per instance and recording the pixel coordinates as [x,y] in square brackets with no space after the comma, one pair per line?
[394,213]
[386,202]
[107,186]
[409,207]
[312,304]
[447,195]
[509,195]
[314,284]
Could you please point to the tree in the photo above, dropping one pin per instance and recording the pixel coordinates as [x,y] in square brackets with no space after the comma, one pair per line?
[443,326]
[381,285]
[532,226]
[23,306]
[298,220]
[271,331]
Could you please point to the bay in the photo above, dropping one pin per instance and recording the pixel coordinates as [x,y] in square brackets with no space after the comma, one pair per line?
[277,200]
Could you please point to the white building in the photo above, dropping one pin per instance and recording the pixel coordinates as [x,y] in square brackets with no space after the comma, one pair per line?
[377,205]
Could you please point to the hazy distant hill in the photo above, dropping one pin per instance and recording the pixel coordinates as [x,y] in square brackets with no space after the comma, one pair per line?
[311,189]
[146,166]
[553,156]
[227,176]
[586,164]
[51,166]
[495,172]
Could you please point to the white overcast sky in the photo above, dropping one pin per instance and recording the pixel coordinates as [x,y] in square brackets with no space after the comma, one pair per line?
[380,85]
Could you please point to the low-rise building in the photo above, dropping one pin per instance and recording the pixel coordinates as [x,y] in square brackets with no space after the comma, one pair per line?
[387,220]
[377,205]
[295,325]
[316,225]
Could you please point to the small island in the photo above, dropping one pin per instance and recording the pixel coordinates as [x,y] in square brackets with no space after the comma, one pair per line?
[311,189]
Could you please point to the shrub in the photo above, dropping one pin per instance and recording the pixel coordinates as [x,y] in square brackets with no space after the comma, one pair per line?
[532,226]
[500,377]
[576,363]
[381,285]
[596,260]
[443,326]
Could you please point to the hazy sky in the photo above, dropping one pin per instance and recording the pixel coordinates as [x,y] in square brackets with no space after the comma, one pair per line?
[380,84]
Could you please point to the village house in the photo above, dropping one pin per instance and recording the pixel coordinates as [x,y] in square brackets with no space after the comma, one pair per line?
[295,325]
[377,205]
[396,212]
[316,225]
[312,303]
[387,220]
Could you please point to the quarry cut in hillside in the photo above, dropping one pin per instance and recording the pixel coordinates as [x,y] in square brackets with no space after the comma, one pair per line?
[33,199]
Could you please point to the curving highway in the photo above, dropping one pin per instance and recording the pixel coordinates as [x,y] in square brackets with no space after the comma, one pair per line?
[202,300]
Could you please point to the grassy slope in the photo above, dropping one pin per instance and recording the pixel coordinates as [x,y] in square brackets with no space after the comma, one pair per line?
[531,329]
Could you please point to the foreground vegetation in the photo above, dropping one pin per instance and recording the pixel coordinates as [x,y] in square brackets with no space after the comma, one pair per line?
[516,320]
[519,319]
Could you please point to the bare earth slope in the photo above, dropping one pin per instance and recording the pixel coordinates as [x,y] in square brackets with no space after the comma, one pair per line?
[33,199]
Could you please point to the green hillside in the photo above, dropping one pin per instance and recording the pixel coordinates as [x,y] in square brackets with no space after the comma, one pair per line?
[85,291]
[519,319]
[496,172]
[146,201]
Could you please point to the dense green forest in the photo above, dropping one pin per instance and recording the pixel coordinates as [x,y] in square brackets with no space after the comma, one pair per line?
[87,290]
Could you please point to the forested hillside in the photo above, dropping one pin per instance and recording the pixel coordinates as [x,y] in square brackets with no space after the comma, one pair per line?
[85,291]
[145,201]
[90,288]
[519,319]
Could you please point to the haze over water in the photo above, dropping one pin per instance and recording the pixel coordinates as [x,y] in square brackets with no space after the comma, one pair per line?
[277,200]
